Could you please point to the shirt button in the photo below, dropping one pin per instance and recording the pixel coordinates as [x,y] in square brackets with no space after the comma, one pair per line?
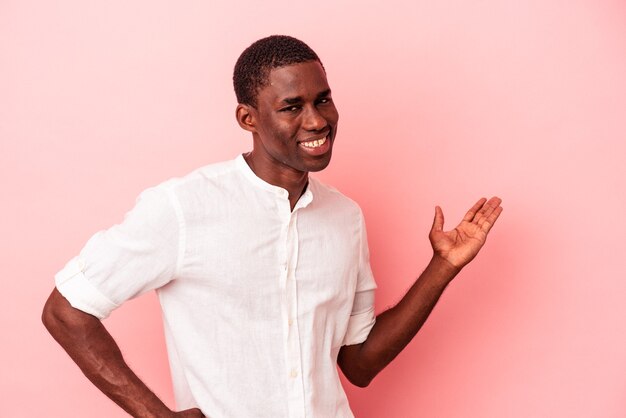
[293,374]
[290,322]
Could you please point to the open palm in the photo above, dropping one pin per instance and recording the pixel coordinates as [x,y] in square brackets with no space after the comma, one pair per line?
[461,244]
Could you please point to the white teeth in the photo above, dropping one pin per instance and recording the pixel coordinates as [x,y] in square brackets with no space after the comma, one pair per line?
[314,144]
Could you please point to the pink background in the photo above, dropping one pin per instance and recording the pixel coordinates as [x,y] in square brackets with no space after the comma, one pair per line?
[440,102]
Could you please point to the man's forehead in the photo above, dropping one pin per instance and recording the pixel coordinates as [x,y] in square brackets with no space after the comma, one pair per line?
[306,78]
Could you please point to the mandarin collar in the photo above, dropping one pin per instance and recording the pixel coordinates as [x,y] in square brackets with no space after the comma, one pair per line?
[243,166]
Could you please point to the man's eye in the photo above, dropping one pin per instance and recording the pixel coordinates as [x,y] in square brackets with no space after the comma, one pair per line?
[324,100]
[291,109]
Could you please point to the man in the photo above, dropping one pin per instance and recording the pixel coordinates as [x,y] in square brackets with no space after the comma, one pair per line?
[262,272]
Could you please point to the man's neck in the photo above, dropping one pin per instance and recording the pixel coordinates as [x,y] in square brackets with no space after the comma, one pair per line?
[294,181]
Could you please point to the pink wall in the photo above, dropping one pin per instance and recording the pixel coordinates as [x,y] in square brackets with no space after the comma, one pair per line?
[440,102]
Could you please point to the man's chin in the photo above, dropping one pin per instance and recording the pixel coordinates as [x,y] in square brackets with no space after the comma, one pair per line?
[320,164]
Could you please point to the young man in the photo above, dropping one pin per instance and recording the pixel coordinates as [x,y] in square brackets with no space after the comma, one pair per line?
[262,272]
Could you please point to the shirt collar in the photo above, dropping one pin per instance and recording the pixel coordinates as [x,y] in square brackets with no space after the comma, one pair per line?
[304,200]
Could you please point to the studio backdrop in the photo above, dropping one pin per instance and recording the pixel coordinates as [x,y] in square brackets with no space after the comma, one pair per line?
[440,103]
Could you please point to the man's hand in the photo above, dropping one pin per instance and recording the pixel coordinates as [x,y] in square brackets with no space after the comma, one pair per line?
[395,327]
[460,245]
[189,413]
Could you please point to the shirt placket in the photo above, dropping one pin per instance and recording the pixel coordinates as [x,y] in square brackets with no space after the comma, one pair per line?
[295,378]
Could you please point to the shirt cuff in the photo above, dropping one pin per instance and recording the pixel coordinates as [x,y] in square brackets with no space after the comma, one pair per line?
[79,292]
[359,327]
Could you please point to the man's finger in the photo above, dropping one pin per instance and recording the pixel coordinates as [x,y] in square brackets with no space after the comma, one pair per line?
[472,212]
[438,221]
[488,223]
[488,209]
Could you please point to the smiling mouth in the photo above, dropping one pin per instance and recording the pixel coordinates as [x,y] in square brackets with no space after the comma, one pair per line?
[315,143]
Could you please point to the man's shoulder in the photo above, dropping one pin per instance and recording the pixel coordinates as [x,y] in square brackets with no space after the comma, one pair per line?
[330,196]
[200,177]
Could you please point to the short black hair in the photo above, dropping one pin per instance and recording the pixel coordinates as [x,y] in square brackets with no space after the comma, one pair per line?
[255,63]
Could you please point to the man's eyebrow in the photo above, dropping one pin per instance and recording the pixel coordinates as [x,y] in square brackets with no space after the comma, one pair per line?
[298,99]
[323,94]
[292,100]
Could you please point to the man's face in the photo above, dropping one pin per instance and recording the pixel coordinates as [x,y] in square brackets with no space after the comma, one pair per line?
[296,119]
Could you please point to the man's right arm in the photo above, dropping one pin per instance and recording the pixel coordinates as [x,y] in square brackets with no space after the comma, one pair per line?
[93,349]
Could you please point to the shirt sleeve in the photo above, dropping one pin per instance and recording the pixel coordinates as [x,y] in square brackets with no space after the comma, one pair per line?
[126,260]
[362,318]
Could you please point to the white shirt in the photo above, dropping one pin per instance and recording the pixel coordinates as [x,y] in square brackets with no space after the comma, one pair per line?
[257,300]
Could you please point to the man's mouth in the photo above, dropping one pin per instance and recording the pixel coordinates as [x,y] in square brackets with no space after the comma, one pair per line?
[316,146]
[315,143]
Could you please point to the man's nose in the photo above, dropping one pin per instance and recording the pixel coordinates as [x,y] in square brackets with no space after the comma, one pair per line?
[313,119]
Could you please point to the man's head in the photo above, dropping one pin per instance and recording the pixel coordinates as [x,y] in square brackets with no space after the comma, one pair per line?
[255,63]
[285,102]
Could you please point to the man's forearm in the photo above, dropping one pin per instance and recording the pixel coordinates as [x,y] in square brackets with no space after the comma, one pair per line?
[397,326]
[93,349]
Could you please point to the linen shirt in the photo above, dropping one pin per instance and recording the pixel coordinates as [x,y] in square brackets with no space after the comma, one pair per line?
[257,299]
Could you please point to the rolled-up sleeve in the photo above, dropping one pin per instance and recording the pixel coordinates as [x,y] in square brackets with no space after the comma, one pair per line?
[363,317]
[128,259]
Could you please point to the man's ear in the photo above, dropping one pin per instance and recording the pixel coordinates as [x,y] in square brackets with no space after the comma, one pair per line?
[246,117]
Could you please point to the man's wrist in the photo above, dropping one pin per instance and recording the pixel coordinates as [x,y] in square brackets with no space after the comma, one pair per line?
[442,269]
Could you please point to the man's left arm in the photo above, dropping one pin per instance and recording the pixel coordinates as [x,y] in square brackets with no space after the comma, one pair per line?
[397,326]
